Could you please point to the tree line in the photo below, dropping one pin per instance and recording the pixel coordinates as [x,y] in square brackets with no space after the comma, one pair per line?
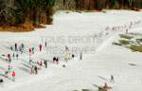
[13,12]
[36,12]
[98,4]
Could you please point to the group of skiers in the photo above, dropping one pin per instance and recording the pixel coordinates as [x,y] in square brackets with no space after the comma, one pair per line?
[32,50]
[17,47]
[125,27]
[10,73]
[56,60]
[35,66]
[34,69]
[9,57]
[15,53]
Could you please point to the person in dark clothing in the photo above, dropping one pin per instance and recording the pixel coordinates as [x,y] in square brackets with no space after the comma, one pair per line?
[22,46]
[36,70]
[13,55]
[11,48]
[126,31]
[17,56]
[40,47]
[112,78]
[30,61]
[21,50]
[45,44]
[16,49]
[45,63]
[9,57]
[81,56]
[54,59]
[40,63]
[66,48]
[32,69]
[1,81]
[73,55]
[33,50]
[57,60]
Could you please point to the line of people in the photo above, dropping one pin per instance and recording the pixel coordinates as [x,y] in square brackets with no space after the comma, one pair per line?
[125,27]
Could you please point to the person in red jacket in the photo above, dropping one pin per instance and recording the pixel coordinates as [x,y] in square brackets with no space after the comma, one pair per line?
[13,75]
[30,51]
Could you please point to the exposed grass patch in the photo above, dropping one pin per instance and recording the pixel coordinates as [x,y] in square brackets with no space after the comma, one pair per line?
[123,42]
[133,42]
[136,48]
[85,90]
[139,40]
[126,36]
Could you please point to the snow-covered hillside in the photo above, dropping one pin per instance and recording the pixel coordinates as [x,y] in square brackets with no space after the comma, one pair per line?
[89,34]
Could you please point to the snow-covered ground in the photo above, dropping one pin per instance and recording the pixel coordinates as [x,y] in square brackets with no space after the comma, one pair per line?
[93,32]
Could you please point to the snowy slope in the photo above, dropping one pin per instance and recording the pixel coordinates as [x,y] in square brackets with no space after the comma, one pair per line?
[95,68]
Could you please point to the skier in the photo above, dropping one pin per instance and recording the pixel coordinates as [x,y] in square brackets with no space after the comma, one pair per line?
[13,55]
[7,71]
[1,81]
[105,86]
[32,69]
[13,75]
[9,68]
[21,50]
[30,51]
[16,49]
[45,63]
[22,46]
[73,56]
[9,57]
[63,65]
[39,63]
[54,59]
[57,60]
[45,44]
[33,50]
[66,48]
[36,69]
[40,47]
[11,48]
[17,56]
[81,56]
[126,31]
[30,61]
[112,78]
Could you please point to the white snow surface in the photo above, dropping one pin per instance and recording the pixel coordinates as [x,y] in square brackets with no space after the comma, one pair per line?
[94,68]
